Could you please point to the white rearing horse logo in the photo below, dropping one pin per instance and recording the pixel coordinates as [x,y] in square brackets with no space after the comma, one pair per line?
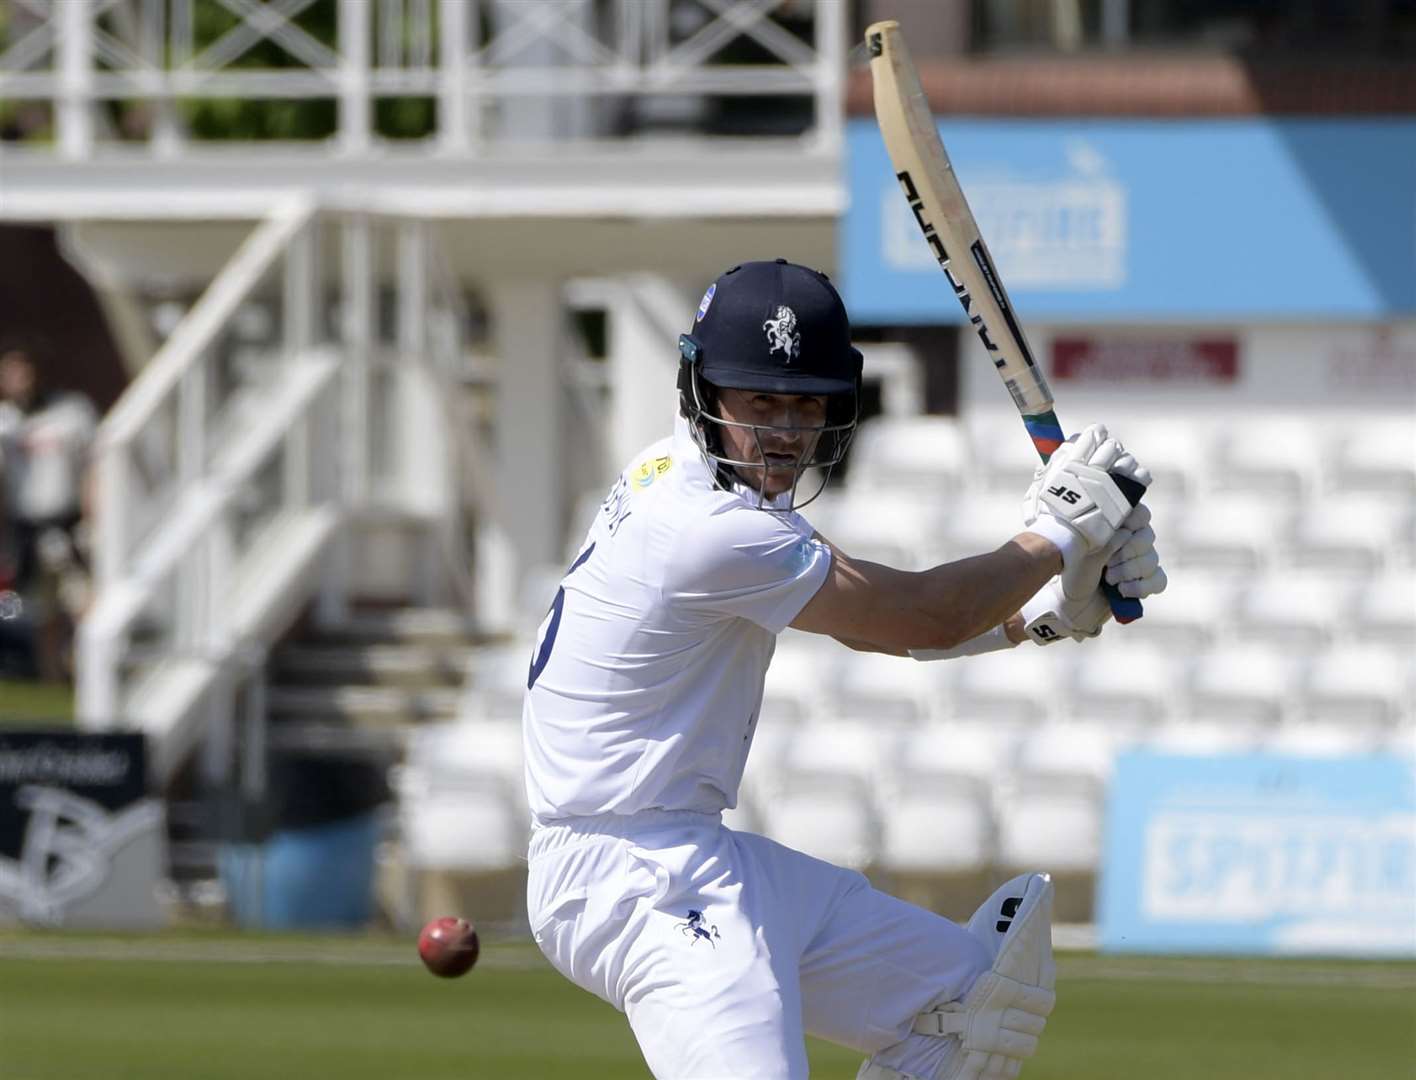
[782,333]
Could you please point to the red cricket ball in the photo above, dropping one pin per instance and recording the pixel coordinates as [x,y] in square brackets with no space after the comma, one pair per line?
[449,947]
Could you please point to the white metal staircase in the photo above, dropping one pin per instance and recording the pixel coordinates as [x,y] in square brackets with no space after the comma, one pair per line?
[230,486]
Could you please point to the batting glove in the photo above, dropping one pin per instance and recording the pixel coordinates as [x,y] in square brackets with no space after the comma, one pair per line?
[1073,605]
[1075,501]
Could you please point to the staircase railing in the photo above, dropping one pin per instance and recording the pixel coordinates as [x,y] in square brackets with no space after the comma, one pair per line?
[225,472]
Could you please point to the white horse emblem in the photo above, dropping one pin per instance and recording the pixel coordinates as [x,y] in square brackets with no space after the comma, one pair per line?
[782,333]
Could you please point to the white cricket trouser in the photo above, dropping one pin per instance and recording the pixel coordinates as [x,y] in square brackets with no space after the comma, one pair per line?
[724,948]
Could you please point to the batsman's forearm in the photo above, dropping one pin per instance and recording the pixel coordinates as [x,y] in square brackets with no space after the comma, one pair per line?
[978,593]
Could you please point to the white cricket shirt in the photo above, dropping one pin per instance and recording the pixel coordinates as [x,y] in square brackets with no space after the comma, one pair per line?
[42,456]
[646,679]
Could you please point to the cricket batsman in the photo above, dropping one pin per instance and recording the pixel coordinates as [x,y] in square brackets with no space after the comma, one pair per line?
[724,948]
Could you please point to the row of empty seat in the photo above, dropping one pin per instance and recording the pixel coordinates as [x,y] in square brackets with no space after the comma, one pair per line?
[1296,454]
[942,798]
[1131,676]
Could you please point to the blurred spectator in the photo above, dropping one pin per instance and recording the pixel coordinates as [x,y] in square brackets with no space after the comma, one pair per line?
[45,437]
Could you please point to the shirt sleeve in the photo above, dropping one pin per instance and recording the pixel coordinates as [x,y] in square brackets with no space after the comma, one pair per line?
[747,563]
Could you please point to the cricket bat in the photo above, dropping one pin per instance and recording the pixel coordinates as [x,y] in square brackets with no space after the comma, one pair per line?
[927,179]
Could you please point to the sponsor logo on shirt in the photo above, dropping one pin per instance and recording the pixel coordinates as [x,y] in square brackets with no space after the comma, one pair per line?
[650,471]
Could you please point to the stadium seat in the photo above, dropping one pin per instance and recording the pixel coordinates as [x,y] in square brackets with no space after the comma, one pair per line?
[974,750]
[1386,610]
[1056,824]
[1195,608]
[447,754]
[793,690]
[1176,450]
[1359,684]
[478,827]
[837,750]
[896,529]
[1242,683]
[1234,532]
[1281,454]
[831,820]
[924,455]
[1296,610]
[1354,533]
[1003,455]
[1072,750]
[1204,738]
[1025,685]
[937,829]
[982,523]
[1378,455]
[1323,740]
[887,689]
[495,682]
[1127,683]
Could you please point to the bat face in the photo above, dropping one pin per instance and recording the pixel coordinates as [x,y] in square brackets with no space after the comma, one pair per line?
[927,179]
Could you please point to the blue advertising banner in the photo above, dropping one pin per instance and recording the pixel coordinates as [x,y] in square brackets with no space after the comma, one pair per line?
[1260,854]
[1183,220]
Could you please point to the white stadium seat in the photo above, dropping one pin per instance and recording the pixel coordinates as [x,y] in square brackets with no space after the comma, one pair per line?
[982,523]
[1230,532]
[938,828]
[1359,684]
[1078,751]
[474,828]
[449,753]
[495,682]
[1386,610]
[1024,685]
[792,692]
[928,455]
[1298,610]
[462,798]
[1241,683]
[1176,450]
[1196,607]
[1379,454]
[886,689]
[1003,455]
[1053,824]
[896,529]
[1204,738]
[838,750]
[1281,454]
[1354,533]
[829,820]
[1125,682]
[940,753]
[1322,740]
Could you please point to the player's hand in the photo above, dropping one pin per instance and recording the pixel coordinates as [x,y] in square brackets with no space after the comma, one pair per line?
[1075,501]
[1073,605]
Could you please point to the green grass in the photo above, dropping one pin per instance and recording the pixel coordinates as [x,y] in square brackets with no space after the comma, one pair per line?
[215,1006]
[44,704]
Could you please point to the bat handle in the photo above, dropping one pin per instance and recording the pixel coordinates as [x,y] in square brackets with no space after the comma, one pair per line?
[1125,608]
[1046,433]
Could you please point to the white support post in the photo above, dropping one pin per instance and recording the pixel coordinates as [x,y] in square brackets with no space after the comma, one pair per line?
[527,328]
[457,118]
[355,112]
[425,440]
[191,573]
[302,291]
[830,74]
[75,104]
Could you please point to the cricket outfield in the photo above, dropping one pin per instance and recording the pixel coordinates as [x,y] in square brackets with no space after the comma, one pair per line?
[219,1006]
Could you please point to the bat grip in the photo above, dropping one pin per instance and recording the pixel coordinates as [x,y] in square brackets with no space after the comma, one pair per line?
[1046,433]
[1126,609]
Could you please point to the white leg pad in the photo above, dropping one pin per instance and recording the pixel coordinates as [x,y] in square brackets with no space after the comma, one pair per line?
[1001,1017]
